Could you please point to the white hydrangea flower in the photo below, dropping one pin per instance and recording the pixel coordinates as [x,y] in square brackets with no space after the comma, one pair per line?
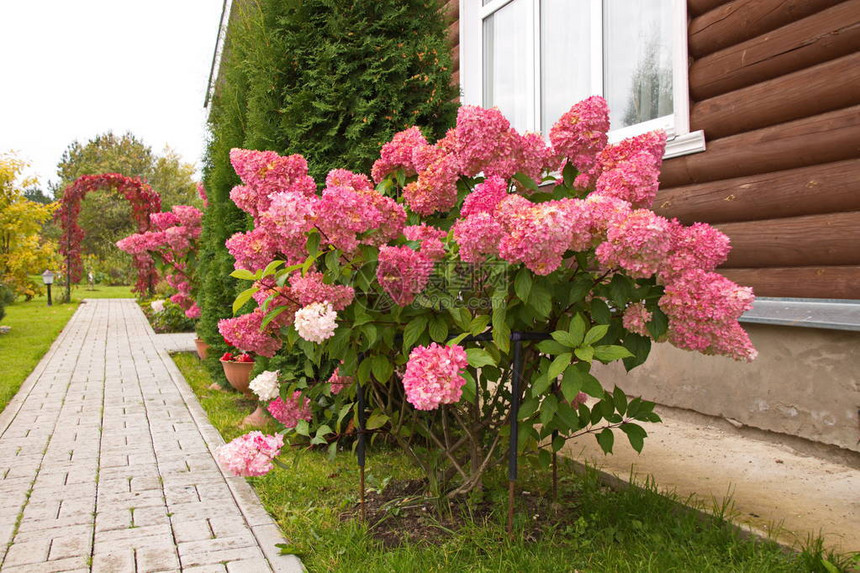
[316,321]
[157,306]
[266,385]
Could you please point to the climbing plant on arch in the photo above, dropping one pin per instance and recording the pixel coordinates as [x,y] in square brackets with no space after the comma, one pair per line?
[144,200]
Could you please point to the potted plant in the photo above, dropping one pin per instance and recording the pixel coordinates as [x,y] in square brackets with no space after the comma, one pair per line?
[237,369]
[202,348]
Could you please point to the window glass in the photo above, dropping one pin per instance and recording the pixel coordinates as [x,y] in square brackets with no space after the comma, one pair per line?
[565,59]
[508,63]
[637,67]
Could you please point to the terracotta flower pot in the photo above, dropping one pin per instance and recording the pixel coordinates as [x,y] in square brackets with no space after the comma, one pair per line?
[239,375]
[202,348]
[257,419]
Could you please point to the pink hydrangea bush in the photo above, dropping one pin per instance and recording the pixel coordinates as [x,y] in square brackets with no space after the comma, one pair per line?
[174,243]
[554,238]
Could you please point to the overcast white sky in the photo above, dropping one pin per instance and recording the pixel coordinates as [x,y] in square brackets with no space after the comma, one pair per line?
[72,69]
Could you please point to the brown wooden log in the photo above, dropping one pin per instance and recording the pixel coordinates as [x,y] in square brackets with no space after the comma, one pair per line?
[819,89]
[455,77]
[824,138]
[741,20]
[454,34]
[455,59]
[800,282]
[828,240]
[697,7]
[451,10]
[827,35]
[818,189]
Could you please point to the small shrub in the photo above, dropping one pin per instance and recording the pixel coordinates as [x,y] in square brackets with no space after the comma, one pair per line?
[171,319]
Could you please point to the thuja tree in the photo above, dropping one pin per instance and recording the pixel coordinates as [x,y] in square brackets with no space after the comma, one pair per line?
[315,76]
[409,292]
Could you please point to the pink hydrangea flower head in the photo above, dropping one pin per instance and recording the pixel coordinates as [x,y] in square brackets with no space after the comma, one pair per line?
[604,212]
[534,158]
[397,154]
[536,235]
[703,309]
[485,198]
[140,243]
[430,238]
[636,318]
[433,375]
[581,132]
[188,216]
[268,172]
[252,250]
[393,217]
[634,180]
[478,236]
[652,144]
[310,288]
[245,332]
[578,213]
[249,199]
[347,178]
[162,221]
[423,156]
[178,240]
[251,454]
[699,246]
[403,273]
[193,312]
[343,214]
[436,188]
[289,216]
[289,412]
[638,244]
[479,134]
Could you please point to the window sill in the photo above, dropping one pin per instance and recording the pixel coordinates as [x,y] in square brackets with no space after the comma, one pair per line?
[807,313]
[685,144]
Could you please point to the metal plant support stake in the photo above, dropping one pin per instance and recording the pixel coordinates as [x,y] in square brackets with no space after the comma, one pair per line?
[360,450]
[514,423]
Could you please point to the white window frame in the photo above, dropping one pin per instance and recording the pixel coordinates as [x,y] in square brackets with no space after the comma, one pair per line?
[680,140]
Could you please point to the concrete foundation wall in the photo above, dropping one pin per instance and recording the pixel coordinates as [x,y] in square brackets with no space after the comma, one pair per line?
[805,383]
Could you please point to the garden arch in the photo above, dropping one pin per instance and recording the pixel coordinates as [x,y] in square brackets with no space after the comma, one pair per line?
[144,201]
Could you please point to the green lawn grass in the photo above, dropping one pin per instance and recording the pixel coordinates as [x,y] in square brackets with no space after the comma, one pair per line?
[636,530]
[35,325]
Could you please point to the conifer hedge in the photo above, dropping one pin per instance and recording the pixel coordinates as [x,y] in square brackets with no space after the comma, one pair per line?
[330,79]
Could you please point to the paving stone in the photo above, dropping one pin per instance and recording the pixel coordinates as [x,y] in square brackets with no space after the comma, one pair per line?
[68,546]
[153,560]
[27,553]
[249,566]
[116,562]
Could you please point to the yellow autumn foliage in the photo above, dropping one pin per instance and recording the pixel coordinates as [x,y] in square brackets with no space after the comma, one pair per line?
[23,252]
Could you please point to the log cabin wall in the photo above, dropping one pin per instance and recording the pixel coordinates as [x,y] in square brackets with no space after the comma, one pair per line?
[451,10]
[775,86]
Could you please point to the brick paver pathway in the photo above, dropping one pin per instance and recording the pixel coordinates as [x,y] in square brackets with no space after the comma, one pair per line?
[106,463]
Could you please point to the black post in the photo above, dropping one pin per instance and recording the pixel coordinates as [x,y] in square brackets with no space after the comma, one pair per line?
[360,450]
[514,425]
[49,295]
[554,454]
